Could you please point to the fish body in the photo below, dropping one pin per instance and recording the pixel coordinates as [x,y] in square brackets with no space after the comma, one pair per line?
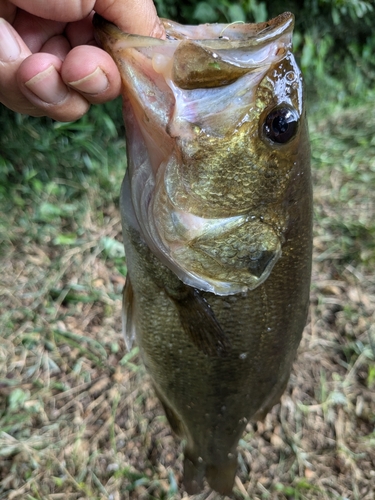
[216,208]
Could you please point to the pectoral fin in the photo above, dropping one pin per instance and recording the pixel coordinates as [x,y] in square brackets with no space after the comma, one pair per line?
[127,314]
[200,324]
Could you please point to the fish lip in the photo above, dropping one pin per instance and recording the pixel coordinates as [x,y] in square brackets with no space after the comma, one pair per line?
[247,34]
[103,28]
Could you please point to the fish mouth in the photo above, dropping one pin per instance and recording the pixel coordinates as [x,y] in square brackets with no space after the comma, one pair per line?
[185,99]
[207,55]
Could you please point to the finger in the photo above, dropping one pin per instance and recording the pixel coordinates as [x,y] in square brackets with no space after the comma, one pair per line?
[31,84]
[39,80]
[57,45]
[66,11]
[92,72]
[132,16]
[12,52]
[35,31]
[8,11]
[81,32]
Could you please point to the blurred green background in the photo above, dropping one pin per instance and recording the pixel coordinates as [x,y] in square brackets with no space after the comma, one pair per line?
[334,42]
[332,37]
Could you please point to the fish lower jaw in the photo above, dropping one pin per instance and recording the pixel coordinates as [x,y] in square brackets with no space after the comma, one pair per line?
[208,285]
[208,281]
[222,256]
[222,288]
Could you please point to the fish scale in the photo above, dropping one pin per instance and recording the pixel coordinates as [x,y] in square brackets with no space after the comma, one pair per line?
[216,208]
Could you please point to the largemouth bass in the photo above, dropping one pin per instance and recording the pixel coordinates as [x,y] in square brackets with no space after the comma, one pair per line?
[216,208]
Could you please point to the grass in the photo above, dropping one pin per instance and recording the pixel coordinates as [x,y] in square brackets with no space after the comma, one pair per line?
[78,418]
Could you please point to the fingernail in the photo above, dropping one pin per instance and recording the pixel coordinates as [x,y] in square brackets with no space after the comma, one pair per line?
[48,86]
[95,83]
[9,47]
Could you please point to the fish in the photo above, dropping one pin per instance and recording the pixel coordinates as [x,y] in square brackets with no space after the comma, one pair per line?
[216,209]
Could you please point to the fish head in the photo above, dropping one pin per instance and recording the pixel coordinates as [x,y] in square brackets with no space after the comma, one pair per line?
[215,126]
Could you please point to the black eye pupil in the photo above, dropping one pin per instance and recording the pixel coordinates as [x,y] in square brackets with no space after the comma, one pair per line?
[281,125]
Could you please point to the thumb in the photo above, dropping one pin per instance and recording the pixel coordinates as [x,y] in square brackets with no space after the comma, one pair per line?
[138,17]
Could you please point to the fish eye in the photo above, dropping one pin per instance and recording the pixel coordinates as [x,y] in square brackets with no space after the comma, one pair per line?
[281,125]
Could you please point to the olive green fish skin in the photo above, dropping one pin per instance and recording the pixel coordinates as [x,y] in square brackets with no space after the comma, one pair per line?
[211,390]
[209,400]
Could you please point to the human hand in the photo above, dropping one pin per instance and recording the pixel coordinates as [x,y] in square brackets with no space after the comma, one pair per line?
[49,61]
